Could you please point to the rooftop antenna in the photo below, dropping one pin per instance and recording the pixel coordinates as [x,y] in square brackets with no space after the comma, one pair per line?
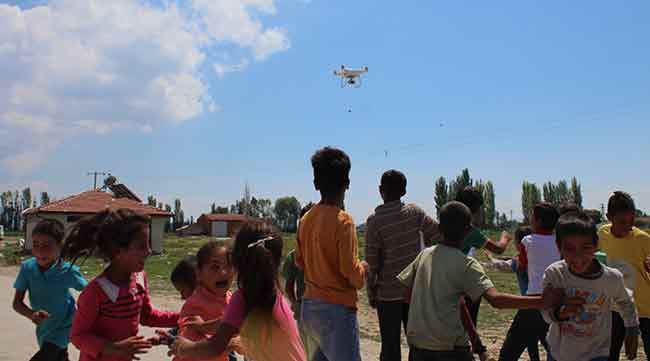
[95,174]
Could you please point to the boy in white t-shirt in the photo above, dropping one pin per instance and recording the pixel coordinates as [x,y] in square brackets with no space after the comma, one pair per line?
[541,251]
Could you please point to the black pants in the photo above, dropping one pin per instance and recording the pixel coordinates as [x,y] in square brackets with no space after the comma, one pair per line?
[618,336]
[526,329]
[461,354]
[50,352]
[392,316]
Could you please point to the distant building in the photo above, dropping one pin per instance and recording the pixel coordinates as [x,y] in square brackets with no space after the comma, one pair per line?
[69,210]
[224,225]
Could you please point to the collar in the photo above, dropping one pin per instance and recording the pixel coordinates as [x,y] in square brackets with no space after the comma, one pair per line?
[112,291]
[591,276]
[389,205]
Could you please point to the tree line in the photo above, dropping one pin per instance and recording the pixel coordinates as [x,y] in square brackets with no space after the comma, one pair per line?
[12,205]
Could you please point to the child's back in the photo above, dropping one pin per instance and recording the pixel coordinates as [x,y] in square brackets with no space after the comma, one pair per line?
[439,277]
[541,252]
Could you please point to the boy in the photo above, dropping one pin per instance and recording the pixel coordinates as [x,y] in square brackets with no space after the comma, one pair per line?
[438,278]
[475,240]
[48,281]
[541,251]
[582,332]
[327,253]
[394,235]
[625,243]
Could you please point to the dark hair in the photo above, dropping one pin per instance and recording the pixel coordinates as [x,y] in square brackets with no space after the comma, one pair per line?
[204,253]
[50,228]
[567,207]
[471,197]
[455,221]
[104,233]
[331,170]
[185,272]
[256,256]
[575,224]
[306,208]
[620,201]
[521,232]
[393,183]
[546,215]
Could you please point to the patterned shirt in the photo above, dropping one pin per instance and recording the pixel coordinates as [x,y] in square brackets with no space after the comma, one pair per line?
[394,237]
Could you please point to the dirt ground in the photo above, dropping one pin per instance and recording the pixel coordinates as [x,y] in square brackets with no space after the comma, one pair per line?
[19,341]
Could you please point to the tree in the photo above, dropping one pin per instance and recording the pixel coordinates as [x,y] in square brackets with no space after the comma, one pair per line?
[45,198]
[169,225]
[287,211]
[179,215]
[490,205]
[440,194]
[151,200]
[576,192]
[27,198]
[261,208]
[530,196]
[563,194]
[213,208]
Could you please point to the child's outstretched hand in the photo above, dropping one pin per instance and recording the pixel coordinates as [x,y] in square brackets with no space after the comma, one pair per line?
[552,297]
[178,347]
[39,316]
[572,306]
[197,324]
[236,345]
[162,337]
[129,348]
[631,346]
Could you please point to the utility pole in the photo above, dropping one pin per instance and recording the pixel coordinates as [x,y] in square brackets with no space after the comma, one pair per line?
[95,174]
[511,215]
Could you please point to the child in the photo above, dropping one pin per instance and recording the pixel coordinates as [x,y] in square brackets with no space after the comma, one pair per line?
[625,243]
[183,277]
[438,278]
[294,287]
[394,236]
[214,274]
[528,326]
[517,264]
[581,332]
[327,253]
[256,310]
[116,302]
[48,281]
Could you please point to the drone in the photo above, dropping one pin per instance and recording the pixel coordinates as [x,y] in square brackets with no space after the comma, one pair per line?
[350,77]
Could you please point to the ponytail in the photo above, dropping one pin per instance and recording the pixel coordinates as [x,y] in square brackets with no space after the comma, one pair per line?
[103,233]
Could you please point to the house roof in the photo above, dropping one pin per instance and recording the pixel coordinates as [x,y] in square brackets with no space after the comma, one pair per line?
[230,218]
[94,201]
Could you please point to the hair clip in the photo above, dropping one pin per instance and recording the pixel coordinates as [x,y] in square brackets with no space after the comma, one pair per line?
[260,242]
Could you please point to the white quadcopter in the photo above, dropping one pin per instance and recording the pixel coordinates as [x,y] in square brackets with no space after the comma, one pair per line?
[350,77]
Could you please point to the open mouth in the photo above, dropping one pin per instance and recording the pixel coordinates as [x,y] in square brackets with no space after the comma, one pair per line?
[221,284]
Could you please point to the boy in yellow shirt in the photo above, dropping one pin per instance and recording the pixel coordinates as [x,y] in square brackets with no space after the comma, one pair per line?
[625,243]
[327,253]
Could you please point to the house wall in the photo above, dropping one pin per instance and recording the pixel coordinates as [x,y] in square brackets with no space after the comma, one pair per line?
[157,233]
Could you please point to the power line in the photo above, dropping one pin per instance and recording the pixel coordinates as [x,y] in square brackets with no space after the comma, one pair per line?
[95,174]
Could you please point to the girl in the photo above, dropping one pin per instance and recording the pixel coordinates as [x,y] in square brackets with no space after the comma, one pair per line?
[115,303]
[257,310]
[214,276]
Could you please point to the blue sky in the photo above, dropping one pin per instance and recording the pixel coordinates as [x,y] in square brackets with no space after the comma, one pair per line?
[523,91]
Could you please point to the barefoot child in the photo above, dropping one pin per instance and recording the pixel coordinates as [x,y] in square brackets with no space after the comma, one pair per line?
[625,243]
[582,332]
[438,278]
[257,310]
[116,302]
[48,280]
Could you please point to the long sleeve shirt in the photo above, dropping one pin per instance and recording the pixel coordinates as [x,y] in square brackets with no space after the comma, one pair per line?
[395,235]
[327,253]
[586,335]
[107,312]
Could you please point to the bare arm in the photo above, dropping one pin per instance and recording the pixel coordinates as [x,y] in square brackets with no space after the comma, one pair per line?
[497,299]
[19,305]
[212,347]
[500,246]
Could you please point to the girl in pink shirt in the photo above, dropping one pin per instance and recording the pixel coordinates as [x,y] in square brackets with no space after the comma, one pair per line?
[115,303]
[257,310]
[207,302]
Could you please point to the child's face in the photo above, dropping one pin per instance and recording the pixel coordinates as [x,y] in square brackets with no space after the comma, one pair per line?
[45,249]
[622,221]
[185,290]
[579,252]
[216,274]
[133,258]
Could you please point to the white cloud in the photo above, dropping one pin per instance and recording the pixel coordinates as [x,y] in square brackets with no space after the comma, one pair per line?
[71,67]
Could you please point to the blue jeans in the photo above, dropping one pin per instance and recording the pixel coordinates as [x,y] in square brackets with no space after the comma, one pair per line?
[332,330]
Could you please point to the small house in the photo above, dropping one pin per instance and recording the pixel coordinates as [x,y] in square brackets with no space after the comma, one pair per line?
[69,210]
[224,225]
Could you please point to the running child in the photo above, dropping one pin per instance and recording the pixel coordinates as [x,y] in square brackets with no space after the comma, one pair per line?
[624,243]
[48,280]
[581,332]
[438,278]
[257,310]
[327,252]
[528,326]
[116,302]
